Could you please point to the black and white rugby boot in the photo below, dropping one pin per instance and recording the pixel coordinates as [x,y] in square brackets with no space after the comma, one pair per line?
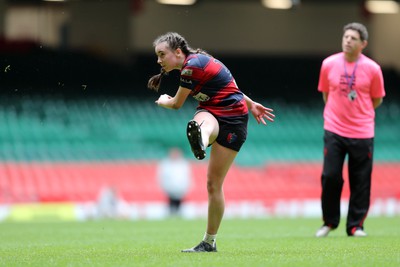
[202,247]
[193,132]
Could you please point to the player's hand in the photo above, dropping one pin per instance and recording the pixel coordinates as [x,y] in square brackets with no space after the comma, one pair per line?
[163,100]
[261,113]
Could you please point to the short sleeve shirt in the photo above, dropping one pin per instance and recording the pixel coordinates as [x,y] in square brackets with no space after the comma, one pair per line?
[213,85]
[349,110]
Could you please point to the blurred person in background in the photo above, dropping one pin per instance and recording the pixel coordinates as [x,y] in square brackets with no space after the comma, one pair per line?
[220,120]
[352,88]
[107,203]
[174,176]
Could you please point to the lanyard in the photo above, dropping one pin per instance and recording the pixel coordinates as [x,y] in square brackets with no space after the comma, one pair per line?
[350,79]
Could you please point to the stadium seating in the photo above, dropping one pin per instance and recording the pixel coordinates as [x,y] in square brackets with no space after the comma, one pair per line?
[57,149]
[101,128]
[136,182]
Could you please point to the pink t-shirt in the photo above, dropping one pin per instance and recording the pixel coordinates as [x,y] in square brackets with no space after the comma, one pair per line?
[349,111]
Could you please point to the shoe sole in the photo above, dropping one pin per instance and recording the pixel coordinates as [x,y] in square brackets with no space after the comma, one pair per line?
[196,143]
[197,251]
[200,248]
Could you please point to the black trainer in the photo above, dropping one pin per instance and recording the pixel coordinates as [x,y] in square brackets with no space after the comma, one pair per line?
[202,247]
[196,143]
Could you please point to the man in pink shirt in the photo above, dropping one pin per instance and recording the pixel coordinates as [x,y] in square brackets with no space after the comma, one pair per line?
[352,87]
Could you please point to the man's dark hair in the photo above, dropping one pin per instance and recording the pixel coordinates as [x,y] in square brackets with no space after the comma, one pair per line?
[362,30]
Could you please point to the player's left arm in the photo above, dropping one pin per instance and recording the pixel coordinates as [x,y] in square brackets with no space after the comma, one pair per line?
[259,111]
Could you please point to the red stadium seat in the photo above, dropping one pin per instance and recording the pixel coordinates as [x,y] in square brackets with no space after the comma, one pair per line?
[136,182]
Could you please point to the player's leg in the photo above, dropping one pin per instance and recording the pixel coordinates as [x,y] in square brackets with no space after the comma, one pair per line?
[201,132]
[360,170]
[223,152]
[221,159]
[231,136]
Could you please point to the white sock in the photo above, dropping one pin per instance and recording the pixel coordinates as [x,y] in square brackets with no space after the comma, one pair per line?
[210,239]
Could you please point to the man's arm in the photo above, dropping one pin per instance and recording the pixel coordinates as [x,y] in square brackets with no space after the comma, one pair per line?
[376,102]
[325,96]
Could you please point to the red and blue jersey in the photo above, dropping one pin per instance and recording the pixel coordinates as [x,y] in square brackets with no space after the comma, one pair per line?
[213,85]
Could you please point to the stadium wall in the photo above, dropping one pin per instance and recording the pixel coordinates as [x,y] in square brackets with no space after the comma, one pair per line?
[71,191]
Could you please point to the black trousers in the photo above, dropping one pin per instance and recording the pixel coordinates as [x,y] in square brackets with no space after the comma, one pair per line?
[360,158]
[174,205]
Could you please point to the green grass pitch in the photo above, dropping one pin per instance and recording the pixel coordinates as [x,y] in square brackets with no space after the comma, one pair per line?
[250,242]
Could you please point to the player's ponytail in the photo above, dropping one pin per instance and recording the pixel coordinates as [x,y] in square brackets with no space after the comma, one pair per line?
[155,81]
[202,51]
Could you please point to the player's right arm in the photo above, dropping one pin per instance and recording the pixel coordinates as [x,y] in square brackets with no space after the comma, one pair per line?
[175,102]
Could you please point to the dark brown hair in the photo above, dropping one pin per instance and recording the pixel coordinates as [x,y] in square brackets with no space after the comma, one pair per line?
[174,41]
[355,26]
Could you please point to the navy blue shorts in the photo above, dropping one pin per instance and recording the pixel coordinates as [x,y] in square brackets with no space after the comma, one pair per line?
[232,130]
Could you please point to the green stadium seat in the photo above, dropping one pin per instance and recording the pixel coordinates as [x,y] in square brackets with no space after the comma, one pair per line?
[54,128]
